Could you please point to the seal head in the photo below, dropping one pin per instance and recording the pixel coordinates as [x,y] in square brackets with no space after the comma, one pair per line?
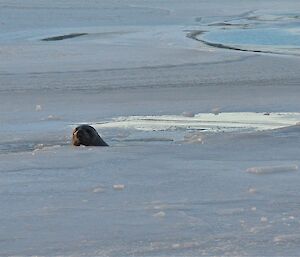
[86,135]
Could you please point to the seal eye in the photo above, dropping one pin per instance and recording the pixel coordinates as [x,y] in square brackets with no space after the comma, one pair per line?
[74,131]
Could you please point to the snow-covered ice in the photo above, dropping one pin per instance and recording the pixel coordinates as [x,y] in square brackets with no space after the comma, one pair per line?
[204,139]
[272,169]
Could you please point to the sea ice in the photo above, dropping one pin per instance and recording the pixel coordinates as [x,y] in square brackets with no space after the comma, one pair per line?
[119,187]
[98,189]
[160,214]
[272,169]
[38,107]
[188,114]
[131,73]
[284,239]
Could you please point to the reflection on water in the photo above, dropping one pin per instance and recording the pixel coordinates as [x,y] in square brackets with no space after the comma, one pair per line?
[278,34]
[264,36]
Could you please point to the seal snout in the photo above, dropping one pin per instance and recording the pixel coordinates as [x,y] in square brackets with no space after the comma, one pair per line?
[86,135]
[79,133]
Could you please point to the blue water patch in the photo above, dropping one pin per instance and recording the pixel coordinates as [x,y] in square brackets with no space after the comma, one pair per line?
[259,36]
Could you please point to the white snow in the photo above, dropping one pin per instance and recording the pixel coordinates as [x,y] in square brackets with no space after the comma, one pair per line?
[38,107]
[119,187]
[98,190]
[160,214]
[229,121]
[272,169]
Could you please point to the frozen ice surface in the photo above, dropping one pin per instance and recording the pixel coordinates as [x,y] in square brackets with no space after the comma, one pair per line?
[173,181]
[253,31]
[272,169]
[230,121]
[119,187]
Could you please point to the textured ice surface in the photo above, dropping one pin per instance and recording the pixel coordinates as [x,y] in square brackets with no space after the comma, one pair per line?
[254,31]
[169,192]
[272,169]
[236,121]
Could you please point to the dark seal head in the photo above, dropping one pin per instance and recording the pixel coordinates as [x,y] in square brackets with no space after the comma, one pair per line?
[87,135]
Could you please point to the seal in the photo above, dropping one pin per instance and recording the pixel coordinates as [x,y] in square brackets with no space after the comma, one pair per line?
[87,135]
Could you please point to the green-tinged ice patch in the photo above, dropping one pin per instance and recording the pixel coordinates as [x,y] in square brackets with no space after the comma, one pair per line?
[223,122]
